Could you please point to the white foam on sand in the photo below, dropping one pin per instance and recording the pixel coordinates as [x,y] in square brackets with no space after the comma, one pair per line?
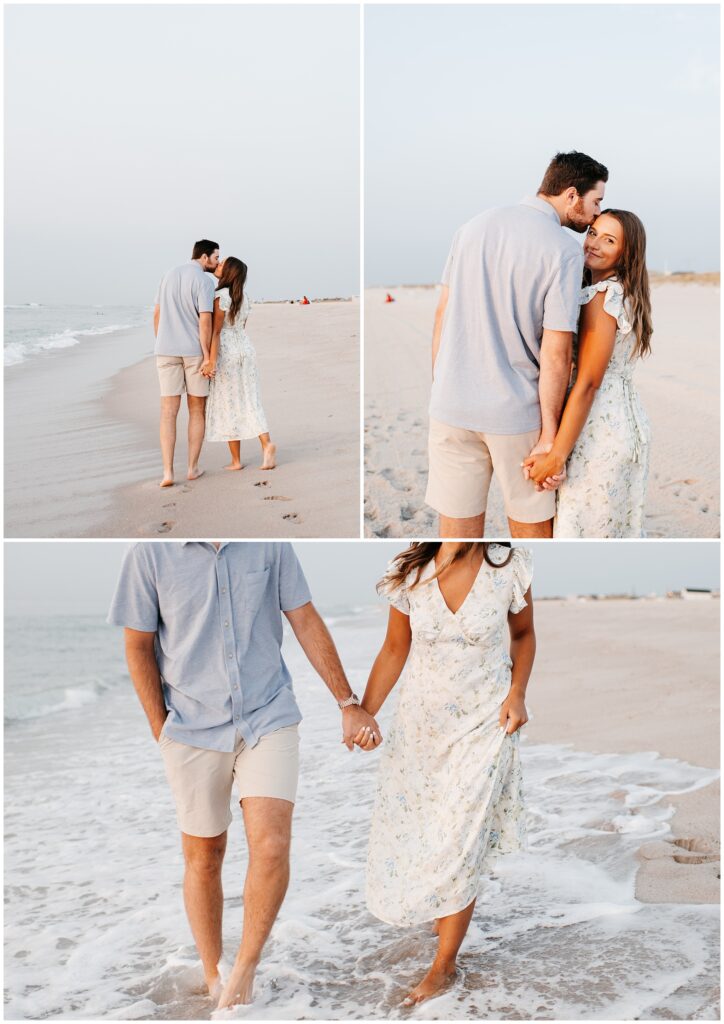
[95,926]
[19,351]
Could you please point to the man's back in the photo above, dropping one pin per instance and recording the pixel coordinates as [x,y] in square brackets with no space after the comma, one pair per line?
[184,293]
[512,272]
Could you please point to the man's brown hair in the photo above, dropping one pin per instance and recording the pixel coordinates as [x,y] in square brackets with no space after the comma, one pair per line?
[572,170]
[204,248]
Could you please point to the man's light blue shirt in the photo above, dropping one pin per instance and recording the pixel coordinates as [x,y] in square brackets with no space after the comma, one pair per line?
[217,616]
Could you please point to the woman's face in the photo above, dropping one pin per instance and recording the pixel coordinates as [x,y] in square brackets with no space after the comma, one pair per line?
[603,244]
[219,269]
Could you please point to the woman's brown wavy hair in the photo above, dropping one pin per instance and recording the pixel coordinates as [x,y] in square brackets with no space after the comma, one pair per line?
[634,277]
[419,553]
[233,277]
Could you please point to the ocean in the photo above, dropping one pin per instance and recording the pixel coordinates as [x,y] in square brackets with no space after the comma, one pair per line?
[94,918]
[33,328]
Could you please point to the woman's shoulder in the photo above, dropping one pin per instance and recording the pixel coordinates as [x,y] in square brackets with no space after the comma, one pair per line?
[222,294]
[614,301]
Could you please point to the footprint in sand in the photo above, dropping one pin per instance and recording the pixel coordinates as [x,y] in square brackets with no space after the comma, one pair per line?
[169,504]
[293,517]
[276,497]
[185,489]
[406,512]
[164,527]
[262,483]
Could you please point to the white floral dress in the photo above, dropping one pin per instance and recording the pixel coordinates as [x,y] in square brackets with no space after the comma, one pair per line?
[604,491]
[233,409]
[449,796]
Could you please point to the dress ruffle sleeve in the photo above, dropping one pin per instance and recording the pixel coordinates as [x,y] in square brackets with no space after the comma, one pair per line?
[522,566]
[397,596]
[613,302]
[224,299]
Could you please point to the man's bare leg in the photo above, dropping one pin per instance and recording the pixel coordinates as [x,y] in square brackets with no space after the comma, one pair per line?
[530,529]
[473,526]
[170,405]
[268,824]
[451,932]
[204,900]
[197,427]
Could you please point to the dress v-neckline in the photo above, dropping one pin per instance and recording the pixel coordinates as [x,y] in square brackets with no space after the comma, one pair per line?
[467,596]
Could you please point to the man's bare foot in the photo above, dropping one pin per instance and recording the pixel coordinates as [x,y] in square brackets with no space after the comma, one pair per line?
[194,474]
[434,983]
[215,986]
[239,988]
[234,466]
[270,452]
[167,481]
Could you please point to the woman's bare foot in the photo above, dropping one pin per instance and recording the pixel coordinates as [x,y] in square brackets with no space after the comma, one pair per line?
[238,990]
[167,480]
[270,451]
[437,979]
[194,474]
[234,466]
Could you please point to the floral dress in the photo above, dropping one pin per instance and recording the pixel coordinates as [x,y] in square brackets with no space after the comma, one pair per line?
[233,409]
[449,795]
[605,488]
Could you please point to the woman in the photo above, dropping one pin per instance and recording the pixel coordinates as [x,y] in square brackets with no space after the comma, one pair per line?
[449,785]
[233,409]
[604,435]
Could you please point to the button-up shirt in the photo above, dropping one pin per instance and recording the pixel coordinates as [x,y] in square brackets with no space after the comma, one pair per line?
[218,625]
[511,272]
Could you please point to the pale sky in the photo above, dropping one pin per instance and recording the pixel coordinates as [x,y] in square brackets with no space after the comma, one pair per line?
[77,577]
[134,130]
[466,105]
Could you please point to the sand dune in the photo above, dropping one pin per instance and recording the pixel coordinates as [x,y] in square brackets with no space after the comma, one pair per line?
[679,387]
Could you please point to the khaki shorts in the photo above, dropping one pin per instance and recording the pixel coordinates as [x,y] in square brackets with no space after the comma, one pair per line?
[462,463]
[202,780]
[179,374]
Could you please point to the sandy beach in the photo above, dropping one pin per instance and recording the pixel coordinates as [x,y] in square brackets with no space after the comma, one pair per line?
[619,763]
[81,449]
[678,384]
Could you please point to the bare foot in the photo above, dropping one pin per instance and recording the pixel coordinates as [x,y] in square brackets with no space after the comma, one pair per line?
[215,986]
[434,983]
[194,474]
[167,481]
[239,988]
[234,465]
[269,457]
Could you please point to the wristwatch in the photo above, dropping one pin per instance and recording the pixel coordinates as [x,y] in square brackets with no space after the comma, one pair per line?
[354,699]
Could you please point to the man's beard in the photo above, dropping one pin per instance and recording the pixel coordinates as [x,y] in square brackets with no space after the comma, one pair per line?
[576,220]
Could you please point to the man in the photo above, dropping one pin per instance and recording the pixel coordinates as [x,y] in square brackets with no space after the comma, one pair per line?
[182,319]
[501,350]
[203,635]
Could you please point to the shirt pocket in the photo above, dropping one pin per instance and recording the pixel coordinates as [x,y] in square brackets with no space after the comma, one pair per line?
[251,589]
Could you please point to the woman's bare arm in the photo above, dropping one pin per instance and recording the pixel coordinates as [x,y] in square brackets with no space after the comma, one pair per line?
[389,663]
[522,653]
[597,336]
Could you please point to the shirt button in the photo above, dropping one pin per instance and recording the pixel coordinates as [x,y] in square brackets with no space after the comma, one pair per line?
[226,624]
[231,656]
[223,590]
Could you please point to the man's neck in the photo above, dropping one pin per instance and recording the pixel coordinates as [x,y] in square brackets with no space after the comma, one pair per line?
[552,201]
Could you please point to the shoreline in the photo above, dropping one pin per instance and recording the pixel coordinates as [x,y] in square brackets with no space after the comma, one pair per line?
[308,360]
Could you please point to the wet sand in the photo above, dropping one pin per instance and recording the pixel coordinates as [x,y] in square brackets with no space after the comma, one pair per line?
[82,457]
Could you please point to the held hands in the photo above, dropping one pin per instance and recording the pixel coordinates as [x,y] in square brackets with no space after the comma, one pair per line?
[546,469]
[360,728]
[208,369]
[512,713]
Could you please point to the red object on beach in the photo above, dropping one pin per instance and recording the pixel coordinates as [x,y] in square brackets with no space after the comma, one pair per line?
[304,302]
[388,298]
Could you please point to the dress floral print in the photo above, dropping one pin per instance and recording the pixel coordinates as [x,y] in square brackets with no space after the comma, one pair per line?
[233,409]
[449,795]
[604,492]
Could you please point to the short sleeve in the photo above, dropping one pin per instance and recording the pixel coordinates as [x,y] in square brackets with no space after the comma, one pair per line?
[615,306]
[396,595]
[560,306]
[293,588]
[207,294]
[135,602]
[450,261]
[522,566]
[224,299]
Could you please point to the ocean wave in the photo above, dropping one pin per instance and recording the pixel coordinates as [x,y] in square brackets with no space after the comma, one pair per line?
[18,351]
[70,698]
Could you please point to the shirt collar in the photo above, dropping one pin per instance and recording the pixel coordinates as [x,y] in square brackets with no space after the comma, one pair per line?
[542,206]
[222,545]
